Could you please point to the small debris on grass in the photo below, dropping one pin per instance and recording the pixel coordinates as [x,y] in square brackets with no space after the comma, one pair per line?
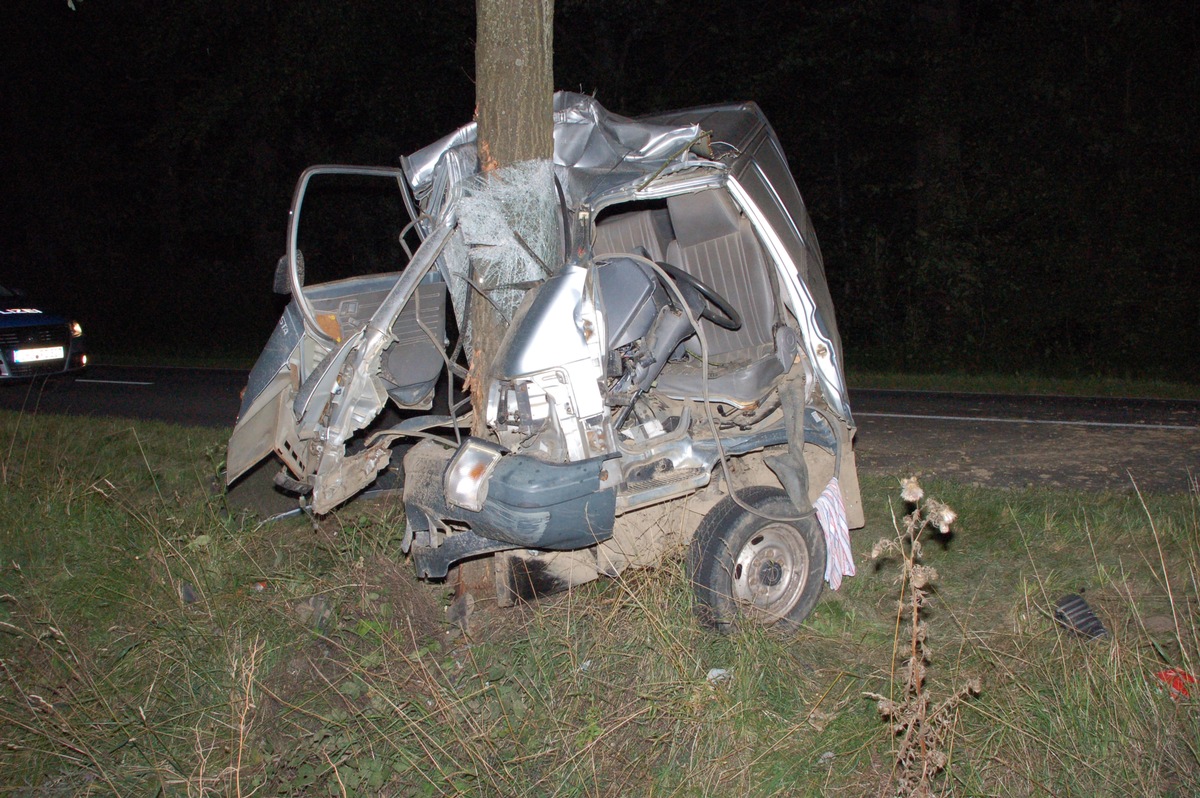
[1177,682]
[1074,614]
[718,676]
[188,593]
[313,612]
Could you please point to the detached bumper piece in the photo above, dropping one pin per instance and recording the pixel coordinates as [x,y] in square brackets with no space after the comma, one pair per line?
[529,504]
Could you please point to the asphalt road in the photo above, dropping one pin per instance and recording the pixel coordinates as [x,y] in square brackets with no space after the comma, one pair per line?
[1089,443]
[194,397]
[996,440]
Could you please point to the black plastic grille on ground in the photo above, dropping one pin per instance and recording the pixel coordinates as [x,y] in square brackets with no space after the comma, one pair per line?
[1072,612]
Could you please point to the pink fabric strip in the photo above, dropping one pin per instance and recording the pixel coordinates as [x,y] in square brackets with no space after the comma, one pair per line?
[831,512]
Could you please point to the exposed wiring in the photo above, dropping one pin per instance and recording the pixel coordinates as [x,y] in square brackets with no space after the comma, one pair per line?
[483,292]
[404,232]
[394,434]
[450,374]
[440,346]
[529,251]
[747,418]
[623,416]
[703,134]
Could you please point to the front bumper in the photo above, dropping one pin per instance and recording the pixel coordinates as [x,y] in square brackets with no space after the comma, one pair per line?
[15,340]
[530,504]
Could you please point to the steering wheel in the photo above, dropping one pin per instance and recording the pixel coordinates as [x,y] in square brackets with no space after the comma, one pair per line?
[725,316]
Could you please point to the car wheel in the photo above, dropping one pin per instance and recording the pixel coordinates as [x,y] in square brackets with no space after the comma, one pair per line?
[747,567]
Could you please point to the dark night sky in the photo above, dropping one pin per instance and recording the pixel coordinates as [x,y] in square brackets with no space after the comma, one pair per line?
[1009,187]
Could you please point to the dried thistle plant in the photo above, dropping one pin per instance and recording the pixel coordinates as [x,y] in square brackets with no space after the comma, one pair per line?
[922,727]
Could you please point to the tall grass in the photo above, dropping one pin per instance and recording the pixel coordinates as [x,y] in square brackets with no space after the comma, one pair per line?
[153,642]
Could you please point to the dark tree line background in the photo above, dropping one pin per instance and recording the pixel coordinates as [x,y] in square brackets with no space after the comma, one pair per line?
[998,186]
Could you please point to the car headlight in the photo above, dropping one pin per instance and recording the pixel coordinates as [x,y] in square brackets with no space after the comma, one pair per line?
[466,478]
[76,330]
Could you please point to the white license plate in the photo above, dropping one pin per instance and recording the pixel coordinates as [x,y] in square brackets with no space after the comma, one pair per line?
[39,354]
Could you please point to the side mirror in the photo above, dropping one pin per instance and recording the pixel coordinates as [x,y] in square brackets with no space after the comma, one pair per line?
[283,283]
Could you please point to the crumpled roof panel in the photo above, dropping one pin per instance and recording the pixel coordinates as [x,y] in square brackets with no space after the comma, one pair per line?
[594,149]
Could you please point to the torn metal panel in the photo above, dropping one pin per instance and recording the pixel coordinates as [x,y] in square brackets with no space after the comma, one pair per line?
[594,151]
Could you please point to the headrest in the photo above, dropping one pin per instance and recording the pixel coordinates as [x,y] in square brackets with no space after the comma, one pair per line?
[702,216]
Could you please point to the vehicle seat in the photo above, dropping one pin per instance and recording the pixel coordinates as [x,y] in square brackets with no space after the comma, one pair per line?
[715,243]
[633,232]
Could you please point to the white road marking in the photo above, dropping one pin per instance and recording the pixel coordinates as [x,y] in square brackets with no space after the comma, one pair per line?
[1067,423]
[114,382]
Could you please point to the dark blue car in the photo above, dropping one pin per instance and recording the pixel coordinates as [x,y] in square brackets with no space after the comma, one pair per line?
[36,342]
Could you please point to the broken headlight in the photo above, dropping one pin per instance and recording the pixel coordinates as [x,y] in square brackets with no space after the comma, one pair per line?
[466,478]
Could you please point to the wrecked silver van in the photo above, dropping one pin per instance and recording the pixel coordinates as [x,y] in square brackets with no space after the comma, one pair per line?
[669,378]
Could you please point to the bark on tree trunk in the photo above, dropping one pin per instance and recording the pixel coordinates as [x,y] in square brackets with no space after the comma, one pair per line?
[514,96]
[514,108]
[514,74]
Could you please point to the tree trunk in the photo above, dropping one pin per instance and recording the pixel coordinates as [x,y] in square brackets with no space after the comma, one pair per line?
[514,96]
[514,81]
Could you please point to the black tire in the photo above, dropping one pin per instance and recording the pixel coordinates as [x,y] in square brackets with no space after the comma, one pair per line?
[747,568]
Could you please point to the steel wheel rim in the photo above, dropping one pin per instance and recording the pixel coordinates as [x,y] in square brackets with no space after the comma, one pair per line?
[770,572]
